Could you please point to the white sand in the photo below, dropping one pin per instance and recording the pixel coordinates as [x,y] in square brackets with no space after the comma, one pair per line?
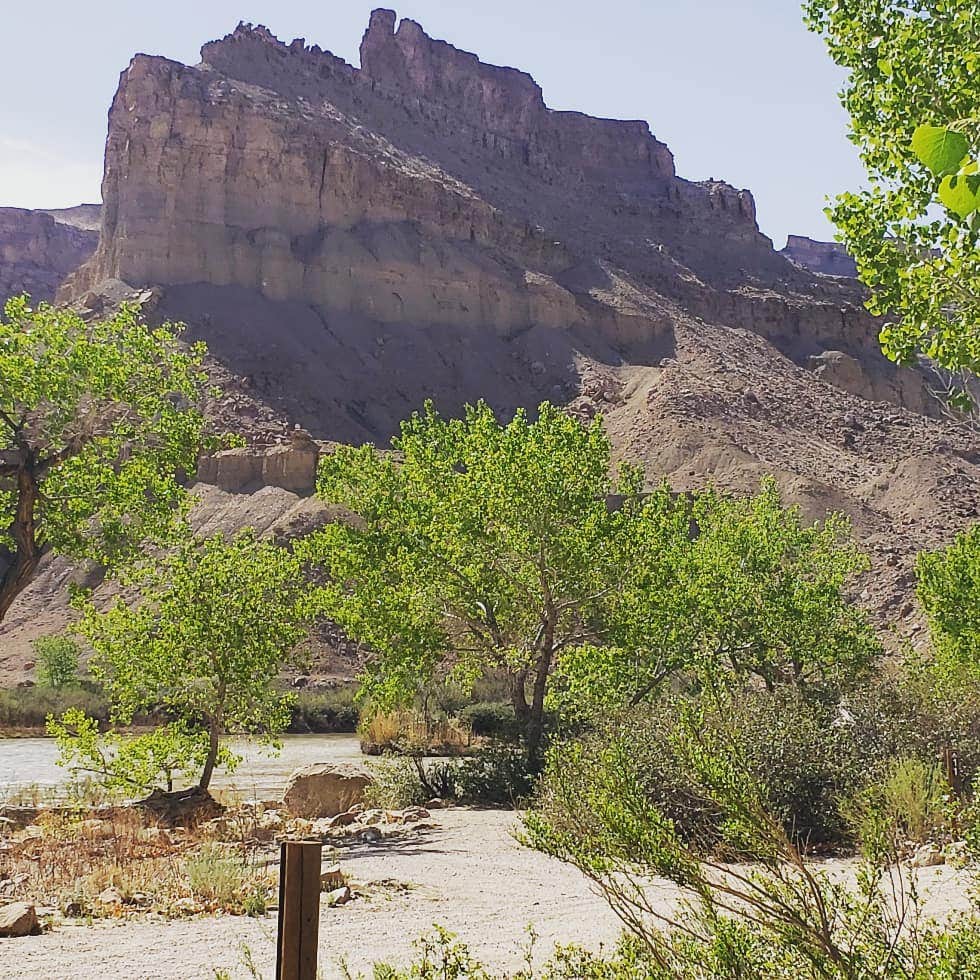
[466,874]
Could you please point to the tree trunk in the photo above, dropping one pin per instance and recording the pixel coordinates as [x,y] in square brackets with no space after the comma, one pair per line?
[534,725]
[17,568]
[214,733]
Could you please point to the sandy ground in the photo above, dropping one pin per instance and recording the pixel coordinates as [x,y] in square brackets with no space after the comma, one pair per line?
[467,874]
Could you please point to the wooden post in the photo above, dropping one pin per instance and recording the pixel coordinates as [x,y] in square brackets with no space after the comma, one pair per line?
[299,910]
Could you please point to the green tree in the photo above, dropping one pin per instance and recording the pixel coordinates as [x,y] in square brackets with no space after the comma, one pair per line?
[912,92]
[949,589]
[479,547]
[98,423]
[132,763]
[57,660]
[215,622]
[731,588]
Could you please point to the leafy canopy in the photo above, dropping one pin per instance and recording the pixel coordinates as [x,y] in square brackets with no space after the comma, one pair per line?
[98,421]
[912,92]
[732,588]
[215,622]
[949,589]
[123,764]
[477,547]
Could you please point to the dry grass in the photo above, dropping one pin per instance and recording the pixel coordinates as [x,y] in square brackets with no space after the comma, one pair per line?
[118,865]
[401,730]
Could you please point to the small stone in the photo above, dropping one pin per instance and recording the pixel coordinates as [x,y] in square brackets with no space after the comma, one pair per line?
[19,919]
[928,856]
[111,896]
[339,896]
[331,878]
[370,835]
[435,804]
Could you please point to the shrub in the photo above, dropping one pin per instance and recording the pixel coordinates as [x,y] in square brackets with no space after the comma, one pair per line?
[797,749]
[221,880]
[410,732]
[57,661]
[911,799]
[397,784]
[323,711]
[491,719]
[497,774]
[29,707]
[781,917]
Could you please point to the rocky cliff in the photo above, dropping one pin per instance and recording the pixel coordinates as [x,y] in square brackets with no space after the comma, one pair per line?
[38,249]
[352,240]
[827,258]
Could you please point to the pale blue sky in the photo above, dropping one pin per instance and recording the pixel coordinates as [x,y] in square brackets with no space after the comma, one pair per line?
[739,91]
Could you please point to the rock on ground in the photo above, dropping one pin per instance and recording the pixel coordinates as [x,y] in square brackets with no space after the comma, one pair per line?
[325,789]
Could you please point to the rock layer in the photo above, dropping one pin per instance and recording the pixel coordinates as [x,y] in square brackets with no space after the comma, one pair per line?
[827,258]
[38,250]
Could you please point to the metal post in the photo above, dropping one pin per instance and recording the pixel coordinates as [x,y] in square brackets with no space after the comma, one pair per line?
[299,910]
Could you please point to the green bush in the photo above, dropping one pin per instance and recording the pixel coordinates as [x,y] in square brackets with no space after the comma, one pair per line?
[780,917]
[911,799]
[722,948]
[491,719]
[496,775]
[325,710]
[29,707]
[58,658]
[801,757]
[397,784]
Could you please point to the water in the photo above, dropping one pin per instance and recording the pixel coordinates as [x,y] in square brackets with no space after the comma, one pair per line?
[32,762]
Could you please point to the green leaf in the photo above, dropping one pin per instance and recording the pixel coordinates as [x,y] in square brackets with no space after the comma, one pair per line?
[941,150]
[961,194]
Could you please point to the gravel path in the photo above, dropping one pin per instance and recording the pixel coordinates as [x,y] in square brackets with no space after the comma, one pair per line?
[467,874]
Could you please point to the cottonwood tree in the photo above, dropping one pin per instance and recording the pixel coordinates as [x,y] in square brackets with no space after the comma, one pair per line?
[478,547]
[949,589]
[912,92]
[214,623]
[98,422]
[731,589]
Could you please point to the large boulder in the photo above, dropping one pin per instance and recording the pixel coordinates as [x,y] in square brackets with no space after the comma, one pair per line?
[325,789]
[18,919]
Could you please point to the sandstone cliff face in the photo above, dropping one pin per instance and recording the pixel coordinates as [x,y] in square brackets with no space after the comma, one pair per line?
[827,258]
[38,250]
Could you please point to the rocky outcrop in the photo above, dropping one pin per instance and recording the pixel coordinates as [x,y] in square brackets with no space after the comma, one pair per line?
[827,258]
[39,249]
[291,467]
[427,191]
[18,919]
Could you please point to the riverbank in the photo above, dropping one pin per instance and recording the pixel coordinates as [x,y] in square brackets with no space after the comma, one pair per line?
[465,872]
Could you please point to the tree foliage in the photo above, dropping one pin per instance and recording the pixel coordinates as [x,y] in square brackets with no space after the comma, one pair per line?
[949,589]
[215,622]
[98,422]
[127,764]
[57,661]
[478,546]
[483,548]
[912,92]
[739,587]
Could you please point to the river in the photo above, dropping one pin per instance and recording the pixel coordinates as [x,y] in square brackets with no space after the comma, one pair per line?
[27,762]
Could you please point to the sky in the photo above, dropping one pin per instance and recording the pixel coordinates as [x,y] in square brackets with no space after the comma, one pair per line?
[738,91]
